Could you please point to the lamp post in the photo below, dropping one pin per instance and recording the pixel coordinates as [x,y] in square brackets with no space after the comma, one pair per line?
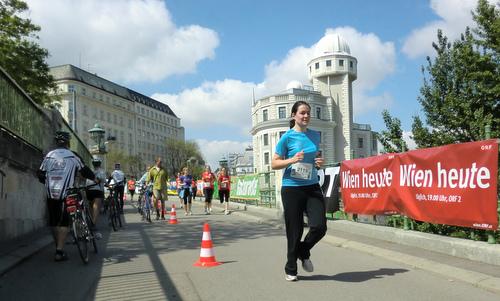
[97,135]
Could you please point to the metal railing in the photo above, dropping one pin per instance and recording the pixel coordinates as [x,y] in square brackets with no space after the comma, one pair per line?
[21,116]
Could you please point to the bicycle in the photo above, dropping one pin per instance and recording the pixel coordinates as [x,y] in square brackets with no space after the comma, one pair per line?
[146,207]
[112,206]
[80,230]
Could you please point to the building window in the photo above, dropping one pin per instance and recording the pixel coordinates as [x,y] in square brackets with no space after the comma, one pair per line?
[360,142]
[281,112]
[266,158]
[71,88]
[282,133]
[84,92]
[316,66]
[341,63]
[310,69]
[351,64]
[328,63]
[318,112]
[266,139]
[264,115]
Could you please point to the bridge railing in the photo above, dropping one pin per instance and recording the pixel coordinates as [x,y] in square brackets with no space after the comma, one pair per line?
[21,116]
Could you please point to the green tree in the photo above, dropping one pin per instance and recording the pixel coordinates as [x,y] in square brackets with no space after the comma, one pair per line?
[392,138]
[130,165]
[20,55]
[461,89]
[178,154]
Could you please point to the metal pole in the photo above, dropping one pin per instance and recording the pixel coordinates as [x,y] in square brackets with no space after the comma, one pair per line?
[491,234]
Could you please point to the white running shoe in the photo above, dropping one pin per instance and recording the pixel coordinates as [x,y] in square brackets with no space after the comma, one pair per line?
[307,265]
[226,212]
[291,277]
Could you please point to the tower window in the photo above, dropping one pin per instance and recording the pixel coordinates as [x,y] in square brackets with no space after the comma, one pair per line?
[341,63]
[360,142]
[328,63]
[316,65]
[266,139]
[351,64]
[266,158]
[264,115]
[318,112]
[281,112]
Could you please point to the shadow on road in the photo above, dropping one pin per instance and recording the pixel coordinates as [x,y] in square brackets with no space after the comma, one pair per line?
[356,276]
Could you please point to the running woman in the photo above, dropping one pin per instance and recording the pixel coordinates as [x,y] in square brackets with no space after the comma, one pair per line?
[186,180]
[224,183]
[208,179]
[298,153]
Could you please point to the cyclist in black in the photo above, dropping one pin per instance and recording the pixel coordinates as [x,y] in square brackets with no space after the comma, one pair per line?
[58,171]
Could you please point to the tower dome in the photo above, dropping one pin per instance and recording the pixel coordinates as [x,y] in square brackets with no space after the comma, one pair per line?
[294,84]
[330,44]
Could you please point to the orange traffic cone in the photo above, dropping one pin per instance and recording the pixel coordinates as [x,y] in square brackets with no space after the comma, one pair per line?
[207,256]
[173,216]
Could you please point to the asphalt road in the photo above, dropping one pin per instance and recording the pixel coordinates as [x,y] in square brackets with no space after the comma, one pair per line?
[155,262]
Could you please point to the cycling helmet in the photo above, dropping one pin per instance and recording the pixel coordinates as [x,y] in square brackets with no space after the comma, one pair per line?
[117,165]
[62,136]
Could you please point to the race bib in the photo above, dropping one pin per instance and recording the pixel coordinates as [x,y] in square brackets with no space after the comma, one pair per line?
[223,185]
[301,171]
[206,184]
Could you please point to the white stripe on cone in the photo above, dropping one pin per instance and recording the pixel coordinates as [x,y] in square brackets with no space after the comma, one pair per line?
[204,252]
[206,236]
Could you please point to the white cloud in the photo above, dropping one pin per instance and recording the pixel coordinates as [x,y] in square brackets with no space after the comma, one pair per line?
[454,17]
[376,61]
[408,138]
[214,150]
[128,40]
[227,103]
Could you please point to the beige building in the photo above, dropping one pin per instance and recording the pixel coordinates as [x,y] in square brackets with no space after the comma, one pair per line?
[331,73]
[139,123]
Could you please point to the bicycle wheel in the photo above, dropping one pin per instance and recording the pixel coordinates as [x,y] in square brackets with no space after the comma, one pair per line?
[112,215]
[90,224]
[81,236]
[118,215]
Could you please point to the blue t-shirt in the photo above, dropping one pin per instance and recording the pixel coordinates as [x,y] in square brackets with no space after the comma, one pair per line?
[293,142]
[186,181]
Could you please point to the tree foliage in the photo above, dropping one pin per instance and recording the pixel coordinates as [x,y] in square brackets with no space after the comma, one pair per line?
[178,154]
[130,165]
[392,138]
[20,55]
[461,89]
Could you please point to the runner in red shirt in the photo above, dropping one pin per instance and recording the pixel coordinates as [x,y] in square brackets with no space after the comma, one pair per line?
[208,179]
[224,181]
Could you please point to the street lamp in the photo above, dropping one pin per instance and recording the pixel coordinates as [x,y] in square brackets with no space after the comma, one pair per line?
[97,135]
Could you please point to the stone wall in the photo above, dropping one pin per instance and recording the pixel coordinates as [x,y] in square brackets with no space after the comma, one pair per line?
[22,197]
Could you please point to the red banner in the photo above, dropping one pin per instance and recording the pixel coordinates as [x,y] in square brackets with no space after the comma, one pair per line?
[453,184]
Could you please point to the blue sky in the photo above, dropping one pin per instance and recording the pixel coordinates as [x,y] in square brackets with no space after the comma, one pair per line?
[204,58]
